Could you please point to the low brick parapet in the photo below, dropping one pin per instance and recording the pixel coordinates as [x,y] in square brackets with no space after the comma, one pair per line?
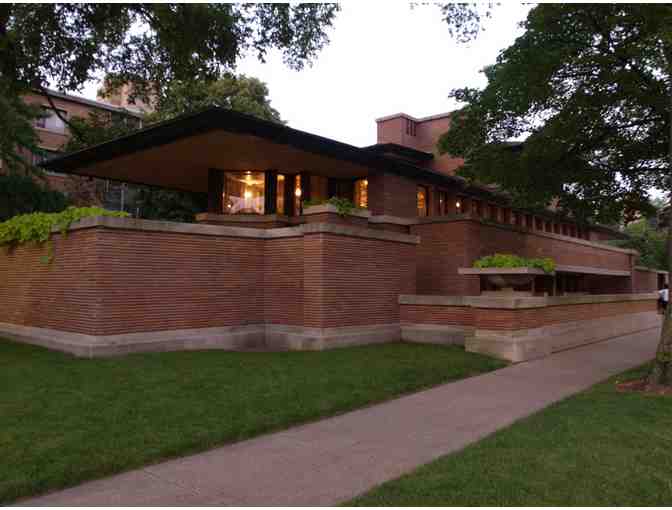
[521,328]
[119,285]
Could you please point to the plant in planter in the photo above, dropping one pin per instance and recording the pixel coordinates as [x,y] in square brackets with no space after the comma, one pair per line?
[343,205]
[511,266]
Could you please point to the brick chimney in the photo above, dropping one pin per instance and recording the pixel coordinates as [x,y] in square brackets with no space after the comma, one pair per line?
[421,134]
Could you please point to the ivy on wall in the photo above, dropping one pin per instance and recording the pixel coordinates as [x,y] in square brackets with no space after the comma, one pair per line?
[37,227]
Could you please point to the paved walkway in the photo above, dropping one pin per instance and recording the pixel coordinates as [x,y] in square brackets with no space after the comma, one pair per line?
[332,460]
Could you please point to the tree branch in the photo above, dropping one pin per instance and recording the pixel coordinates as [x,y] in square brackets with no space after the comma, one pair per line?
[65,120]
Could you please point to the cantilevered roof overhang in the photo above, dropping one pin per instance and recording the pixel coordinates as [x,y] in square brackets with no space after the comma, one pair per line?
[177,154]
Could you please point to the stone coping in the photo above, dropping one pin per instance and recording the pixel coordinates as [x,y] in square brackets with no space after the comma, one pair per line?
[520,302]
[347,230]
[501,270]
[242,218]
[650,270]
[532,270]
[330,208]
[393,220]
[515,228]
[113,222]
[591,270]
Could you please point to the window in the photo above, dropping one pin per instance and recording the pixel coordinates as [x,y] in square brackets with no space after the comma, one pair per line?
[51,120]
[297,194]
[244,192]
[458,205]
[410,127]
[443,203]
[362,193]
[422,201]
[280,199]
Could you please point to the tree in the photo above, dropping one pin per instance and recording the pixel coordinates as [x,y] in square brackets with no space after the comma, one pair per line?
[21,194]
[240,93]
[589,87]
[147,45]
[244,94]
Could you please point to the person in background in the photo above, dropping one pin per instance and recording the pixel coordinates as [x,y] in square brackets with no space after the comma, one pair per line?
[664,298]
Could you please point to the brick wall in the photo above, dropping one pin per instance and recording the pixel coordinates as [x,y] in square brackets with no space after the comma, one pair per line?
[440,315]
[106,281]
[443,248]
[447,245]
[517,319]
[392,195]
[354,281]
[61,295]
[507,319]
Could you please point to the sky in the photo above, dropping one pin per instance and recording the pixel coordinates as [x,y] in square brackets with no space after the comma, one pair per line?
[383,58]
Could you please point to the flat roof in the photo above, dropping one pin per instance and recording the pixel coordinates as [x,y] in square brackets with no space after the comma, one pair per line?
[225,139]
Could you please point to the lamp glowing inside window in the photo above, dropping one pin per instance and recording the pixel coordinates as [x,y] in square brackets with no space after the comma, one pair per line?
[244,192]
[458,206]
[422,204]
[362,193]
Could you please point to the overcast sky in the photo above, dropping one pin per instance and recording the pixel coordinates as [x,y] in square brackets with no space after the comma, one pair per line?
[383,58]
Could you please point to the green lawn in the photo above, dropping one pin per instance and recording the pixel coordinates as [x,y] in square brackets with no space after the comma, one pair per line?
[64,420]
[598,448]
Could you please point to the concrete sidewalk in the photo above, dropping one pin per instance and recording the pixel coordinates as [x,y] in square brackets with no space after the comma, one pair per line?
[330,461]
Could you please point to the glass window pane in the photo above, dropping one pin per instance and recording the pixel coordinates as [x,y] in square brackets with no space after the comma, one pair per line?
[362,193]
[422,201]
[280,201]
[297,193]
[244,192]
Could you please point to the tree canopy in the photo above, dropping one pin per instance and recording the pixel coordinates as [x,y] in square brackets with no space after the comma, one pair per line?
[587,86]
[148,45]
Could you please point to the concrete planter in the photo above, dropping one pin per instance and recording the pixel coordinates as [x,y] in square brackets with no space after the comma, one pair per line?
[505,279]
[328,213]
[332,209]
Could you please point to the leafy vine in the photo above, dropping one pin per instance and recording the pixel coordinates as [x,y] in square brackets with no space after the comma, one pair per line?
[37,227]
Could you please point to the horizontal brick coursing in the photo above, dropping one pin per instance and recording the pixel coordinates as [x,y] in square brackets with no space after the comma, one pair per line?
[354,281]
[495,319]
[446,246]
[60,295]
[109,281]
[513,320]
[440,315]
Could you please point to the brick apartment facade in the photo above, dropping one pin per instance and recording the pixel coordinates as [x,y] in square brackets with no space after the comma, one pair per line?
[266,268]
[53,133]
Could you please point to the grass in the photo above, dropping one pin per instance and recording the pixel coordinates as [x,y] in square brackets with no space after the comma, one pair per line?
[64,420]
[598,448]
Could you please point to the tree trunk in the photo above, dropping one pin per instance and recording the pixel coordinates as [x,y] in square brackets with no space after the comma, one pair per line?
[660,374]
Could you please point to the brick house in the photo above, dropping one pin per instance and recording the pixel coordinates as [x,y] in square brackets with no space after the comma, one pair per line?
[53,133]
[264,268]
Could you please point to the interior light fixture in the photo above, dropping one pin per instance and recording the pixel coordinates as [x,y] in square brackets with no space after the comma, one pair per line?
[297,192]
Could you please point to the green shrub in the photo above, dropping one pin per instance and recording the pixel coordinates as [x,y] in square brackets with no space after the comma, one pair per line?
[37,227]
[343,205]
[23,194]
[509,260]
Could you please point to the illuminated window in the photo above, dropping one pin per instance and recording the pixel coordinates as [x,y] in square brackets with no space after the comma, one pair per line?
[458,205]
[280,200]
[244,192]
[422,201]
[297,193]
[362,193]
